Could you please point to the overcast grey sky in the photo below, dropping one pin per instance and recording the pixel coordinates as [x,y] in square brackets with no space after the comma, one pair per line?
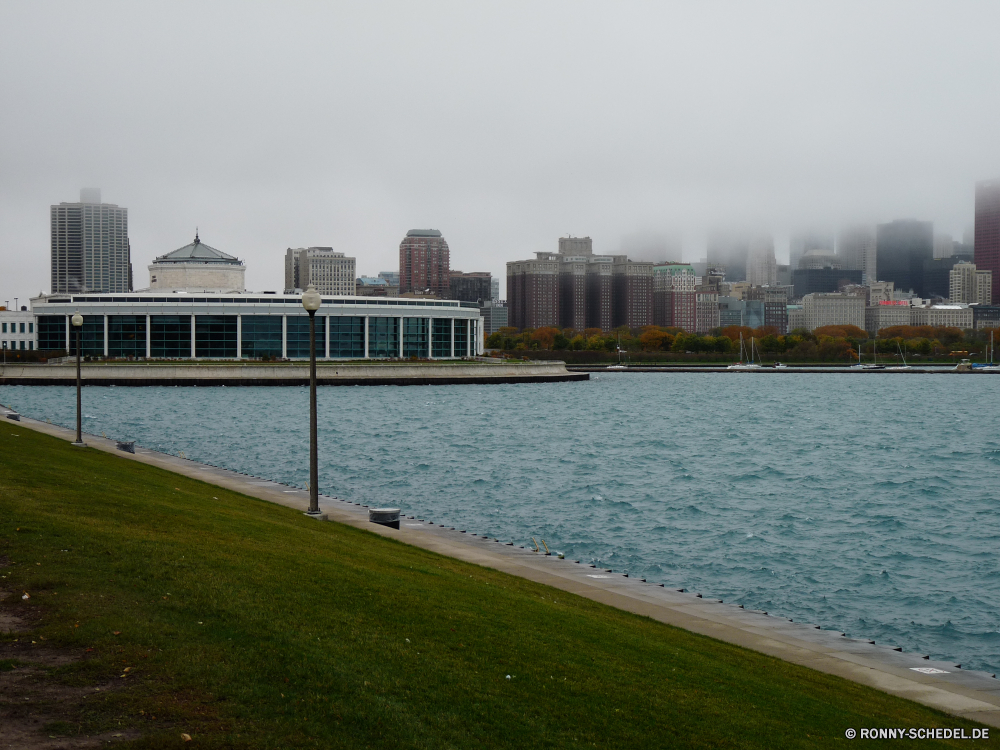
[505,125]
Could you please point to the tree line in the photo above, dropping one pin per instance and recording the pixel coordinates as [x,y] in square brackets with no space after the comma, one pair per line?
[825,344]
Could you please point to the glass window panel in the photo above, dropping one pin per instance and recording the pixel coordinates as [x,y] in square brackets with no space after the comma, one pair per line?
[215,336]
[298,336]
[170,336]
[261,336]
[126,335]
[383,337]
[461,337]
[92,335]
[347,336]
[52,332]
[415,335]
[441,337]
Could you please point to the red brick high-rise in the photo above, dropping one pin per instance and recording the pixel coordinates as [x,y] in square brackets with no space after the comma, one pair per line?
[987,238]
[424,263]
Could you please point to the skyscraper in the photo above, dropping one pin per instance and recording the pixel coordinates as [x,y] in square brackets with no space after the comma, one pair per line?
[728,250]
[901,247]
[987,237]
[856,249]
[802,242]
[424,263]
[90,248]
[762,268]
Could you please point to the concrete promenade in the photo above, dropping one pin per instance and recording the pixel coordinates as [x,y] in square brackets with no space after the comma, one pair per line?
[769,370]
[288,373]
[941,685]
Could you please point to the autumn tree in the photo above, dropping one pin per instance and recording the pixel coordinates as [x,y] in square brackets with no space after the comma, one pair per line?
[545,336]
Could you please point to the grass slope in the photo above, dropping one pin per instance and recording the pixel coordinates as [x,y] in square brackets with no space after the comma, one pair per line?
[248,625]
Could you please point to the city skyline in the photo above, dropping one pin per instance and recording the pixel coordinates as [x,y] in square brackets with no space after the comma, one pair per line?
[581,121]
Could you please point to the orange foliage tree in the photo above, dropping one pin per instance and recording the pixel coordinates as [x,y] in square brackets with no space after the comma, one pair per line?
[545,336]
[841,332]
[733,332]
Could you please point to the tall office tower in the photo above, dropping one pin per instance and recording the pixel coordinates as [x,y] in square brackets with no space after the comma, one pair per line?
[856,249]
[532,292]
[494,288]
[762,268]
[330,272]
[600,288]
[729,251]
[987,236]
[576,246]
[675,301]
[970,286]
[633,293]
[944,246]
[901,247]
[424,263]
[802,242]
[572,290]
[471,287]
[90,248]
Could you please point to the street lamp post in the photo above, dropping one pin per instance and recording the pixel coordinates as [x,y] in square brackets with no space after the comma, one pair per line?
[77,321]
[311,302]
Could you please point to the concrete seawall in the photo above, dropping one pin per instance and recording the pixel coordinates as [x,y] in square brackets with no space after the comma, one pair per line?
[327,373]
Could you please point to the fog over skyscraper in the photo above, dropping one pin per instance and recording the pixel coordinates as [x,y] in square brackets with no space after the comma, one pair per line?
[802,242]
[89,246]
[762,268]
[856,250]
[729,249]
[901,248]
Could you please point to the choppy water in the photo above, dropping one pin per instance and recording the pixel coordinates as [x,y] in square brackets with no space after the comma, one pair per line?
[867,504]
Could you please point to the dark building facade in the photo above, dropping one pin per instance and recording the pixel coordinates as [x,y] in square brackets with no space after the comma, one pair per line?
[987,232]
[599,296]
[985,316]
[901,247]
[576,289]
[573,294]
[632,293]
[775,305]
[424,263]
[470,287]
[810,280]
[937,276]
[533,293]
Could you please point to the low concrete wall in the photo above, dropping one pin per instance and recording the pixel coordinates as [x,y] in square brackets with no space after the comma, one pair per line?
[327,373]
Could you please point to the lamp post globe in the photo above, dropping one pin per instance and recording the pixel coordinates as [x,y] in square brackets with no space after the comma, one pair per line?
[77,321]
[311,301]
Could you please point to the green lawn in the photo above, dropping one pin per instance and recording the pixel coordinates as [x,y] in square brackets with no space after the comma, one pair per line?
[246,624]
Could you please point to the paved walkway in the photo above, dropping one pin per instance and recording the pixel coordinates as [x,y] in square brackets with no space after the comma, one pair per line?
[941,685]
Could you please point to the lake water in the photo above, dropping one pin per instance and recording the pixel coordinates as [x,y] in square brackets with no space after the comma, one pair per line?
[864,503]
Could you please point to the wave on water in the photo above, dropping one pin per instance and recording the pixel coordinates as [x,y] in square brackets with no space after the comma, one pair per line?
[842,510]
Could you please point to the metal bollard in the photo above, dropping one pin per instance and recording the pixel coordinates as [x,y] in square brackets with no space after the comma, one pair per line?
[384,517]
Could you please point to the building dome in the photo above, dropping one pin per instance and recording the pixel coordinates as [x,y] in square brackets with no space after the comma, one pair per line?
[198,252]
[197,268]
[817,259]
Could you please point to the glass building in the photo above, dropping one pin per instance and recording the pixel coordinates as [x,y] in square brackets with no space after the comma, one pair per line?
[220,326]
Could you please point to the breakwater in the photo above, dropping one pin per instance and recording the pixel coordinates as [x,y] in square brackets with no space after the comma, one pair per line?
[288,373]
